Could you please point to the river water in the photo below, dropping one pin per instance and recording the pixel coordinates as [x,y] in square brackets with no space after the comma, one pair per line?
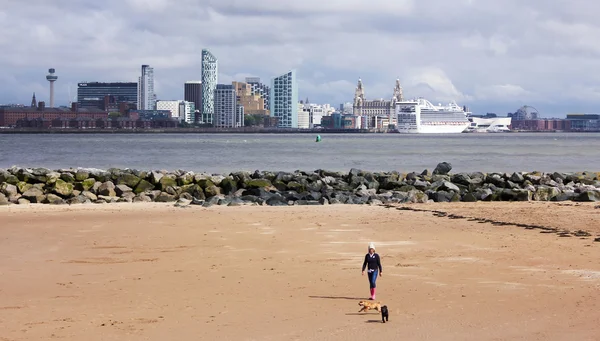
[222,153]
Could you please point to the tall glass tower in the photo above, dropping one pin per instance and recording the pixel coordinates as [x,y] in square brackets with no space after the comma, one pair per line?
[209,84]
[284,100]
[146,95]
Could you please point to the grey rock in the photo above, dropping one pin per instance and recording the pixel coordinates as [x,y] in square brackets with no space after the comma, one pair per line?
[9,190]
[89,195]
[34,195]
[517,178]
[461,178]
[108,198]
[165,197]
[107,189]
[78,200]
[442,168]
[183,202]
[23,201]
[142,198]
[3,200]
[589,196]
[54,199]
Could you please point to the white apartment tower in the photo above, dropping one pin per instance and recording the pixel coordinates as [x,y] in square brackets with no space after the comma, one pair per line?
[284,100]
[146,95]
[209,84]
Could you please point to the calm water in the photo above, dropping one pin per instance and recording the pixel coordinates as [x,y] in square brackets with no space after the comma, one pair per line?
[218,153]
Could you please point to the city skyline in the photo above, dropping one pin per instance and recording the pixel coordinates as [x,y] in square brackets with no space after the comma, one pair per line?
[488,63]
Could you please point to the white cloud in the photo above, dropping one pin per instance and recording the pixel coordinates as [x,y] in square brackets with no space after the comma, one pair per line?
[490,55]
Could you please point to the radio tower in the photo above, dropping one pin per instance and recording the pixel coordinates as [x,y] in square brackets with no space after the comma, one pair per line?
[51,78]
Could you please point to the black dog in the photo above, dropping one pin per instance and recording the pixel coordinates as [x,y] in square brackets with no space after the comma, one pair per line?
[384,314]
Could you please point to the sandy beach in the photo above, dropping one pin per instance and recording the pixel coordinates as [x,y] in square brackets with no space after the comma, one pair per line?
[158,272]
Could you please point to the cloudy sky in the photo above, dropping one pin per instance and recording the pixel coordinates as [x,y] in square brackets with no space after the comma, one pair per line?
[491,55]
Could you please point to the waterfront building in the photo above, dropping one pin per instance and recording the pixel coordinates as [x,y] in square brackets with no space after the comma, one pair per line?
[303,116]
[9,116]
[260,89]
[192,92]
[146,95]
[584,122]
[91,95]
[253,104]
[379,107]
[227,113]
[209,84]
[284,99]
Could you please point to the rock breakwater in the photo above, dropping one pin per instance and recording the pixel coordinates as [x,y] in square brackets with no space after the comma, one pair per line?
[320,187]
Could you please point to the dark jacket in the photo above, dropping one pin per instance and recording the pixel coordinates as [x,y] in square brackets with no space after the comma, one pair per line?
[373,263]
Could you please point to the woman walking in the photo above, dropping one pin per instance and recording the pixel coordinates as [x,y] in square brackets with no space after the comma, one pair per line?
[373,264]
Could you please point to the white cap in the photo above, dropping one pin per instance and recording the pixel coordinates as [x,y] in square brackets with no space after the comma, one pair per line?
[371,246]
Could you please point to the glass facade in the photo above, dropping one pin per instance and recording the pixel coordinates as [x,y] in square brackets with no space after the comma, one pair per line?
[284,100]
[146,95]
[91,95]
[209,84]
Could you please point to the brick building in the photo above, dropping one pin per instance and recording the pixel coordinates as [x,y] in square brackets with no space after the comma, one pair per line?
[10,116]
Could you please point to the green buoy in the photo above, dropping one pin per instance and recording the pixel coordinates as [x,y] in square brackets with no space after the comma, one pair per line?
[318,138]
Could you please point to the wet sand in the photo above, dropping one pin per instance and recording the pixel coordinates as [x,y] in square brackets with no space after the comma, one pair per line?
[157,272]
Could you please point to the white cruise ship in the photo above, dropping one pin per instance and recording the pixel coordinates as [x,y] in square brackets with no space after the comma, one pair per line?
[419,116]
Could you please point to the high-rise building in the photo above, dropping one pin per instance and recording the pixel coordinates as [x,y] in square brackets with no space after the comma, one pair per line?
[146,95]
[209,84]
[227,114]
[253,104]
[192,92]
[284,100]
[91,94]
[51,77]
[260,89]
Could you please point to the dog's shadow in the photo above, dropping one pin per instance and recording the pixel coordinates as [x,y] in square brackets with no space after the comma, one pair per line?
[373,321]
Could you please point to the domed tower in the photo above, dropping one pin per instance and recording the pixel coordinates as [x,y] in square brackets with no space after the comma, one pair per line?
[51,77]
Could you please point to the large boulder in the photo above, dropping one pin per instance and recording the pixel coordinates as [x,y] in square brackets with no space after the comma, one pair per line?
[589,196]
[62,188]
[87,184]
[186,179]
[258,183]
[107,189]
[442,168]
[34,195]
[143,186]
[194,190]
[545,193]
[81,175]
[166,181]
[122,189]
[128,179]
[67,177]
[3,200]
[165,197]
[9,190]
[54,199]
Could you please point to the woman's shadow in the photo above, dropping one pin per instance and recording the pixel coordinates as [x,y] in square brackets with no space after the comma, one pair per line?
[338,298]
